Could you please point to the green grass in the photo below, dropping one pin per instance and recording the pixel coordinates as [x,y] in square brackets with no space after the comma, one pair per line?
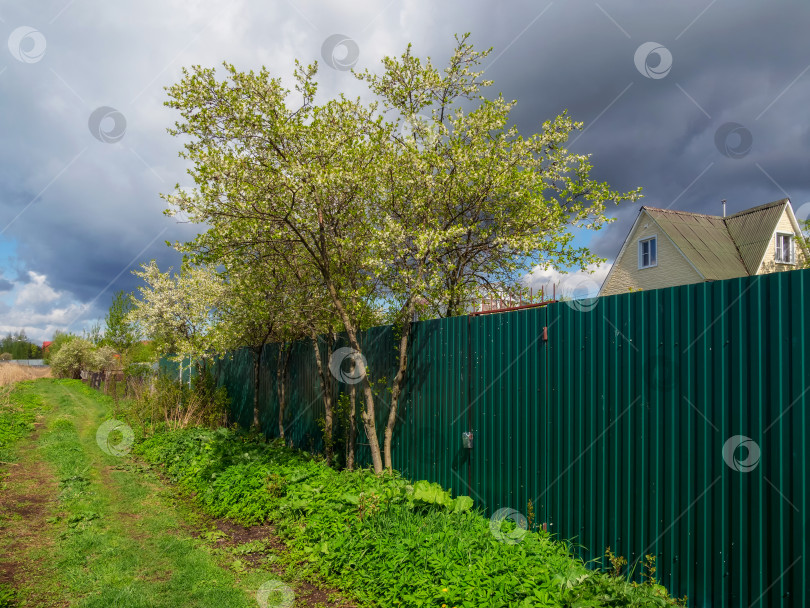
[114,534]
[387,542]
[17,418]
[120,538]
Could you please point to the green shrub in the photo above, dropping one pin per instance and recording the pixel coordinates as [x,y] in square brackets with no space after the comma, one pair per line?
[102,359]
[389,542]
[142,353]
[60,338]
[72,357]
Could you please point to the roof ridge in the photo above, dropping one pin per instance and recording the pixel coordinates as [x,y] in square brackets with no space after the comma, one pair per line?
[782,201]
[714,217]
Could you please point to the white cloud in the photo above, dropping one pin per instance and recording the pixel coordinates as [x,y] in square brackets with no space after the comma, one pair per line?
[40,310]
[575,285]
[36,292]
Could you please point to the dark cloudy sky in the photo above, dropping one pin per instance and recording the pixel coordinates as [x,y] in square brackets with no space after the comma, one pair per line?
[694,100]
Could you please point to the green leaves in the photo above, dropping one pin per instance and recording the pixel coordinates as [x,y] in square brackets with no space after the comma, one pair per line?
[387,541]
[462,503]
[368,212]
[426,494]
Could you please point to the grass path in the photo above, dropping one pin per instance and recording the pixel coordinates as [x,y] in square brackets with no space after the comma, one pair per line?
[79,527]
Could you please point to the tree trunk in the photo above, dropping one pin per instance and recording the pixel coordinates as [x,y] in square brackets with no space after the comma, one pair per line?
[201,371]
[370,426]
[281,377]
[351,440]
[396,388]
[368,414]
[257,363]
[326,390]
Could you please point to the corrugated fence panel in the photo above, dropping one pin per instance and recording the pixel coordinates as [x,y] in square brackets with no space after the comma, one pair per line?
[432,413]
[670,423]
[235,372]
[646,392]
[505,409]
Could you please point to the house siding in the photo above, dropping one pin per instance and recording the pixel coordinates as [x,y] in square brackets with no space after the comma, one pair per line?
[769,259]
[673,268]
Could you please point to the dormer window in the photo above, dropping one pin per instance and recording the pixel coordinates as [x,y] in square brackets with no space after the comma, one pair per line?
[785,249]
[647,252]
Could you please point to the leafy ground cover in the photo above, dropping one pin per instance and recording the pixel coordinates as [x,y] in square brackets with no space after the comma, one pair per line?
[388,542]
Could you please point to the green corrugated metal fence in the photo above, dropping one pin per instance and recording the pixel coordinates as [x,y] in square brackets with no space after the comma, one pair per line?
[614,427]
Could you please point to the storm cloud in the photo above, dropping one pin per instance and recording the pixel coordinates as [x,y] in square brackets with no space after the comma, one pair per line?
[694,101]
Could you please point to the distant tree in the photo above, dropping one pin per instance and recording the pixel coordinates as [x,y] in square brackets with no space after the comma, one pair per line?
[94,334]
[176,310]
[119,331]
[60,338]
[19,346]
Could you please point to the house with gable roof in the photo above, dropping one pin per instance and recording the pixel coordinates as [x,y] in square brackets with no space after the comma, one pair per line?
[666,247]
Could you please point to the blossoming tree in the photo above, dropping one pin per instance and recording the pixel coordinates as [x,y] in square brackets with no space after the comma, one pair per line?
[411,204]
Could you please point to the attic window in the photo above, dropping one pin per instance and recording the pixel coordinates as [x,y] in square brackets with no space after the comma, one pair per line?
[785,249]
[648,252]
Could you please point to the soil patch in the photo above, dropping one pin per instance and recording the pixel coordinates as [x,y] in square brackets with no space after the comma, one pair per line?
[234,535]
[27,500]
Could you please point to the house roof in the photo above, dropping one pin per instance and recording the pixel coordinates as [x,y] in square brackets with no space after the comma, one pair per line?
[752,230]
[721,247]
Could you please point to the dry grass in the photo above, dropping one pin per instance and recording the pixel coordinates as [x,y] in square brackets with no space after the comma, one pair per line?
[11,373]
